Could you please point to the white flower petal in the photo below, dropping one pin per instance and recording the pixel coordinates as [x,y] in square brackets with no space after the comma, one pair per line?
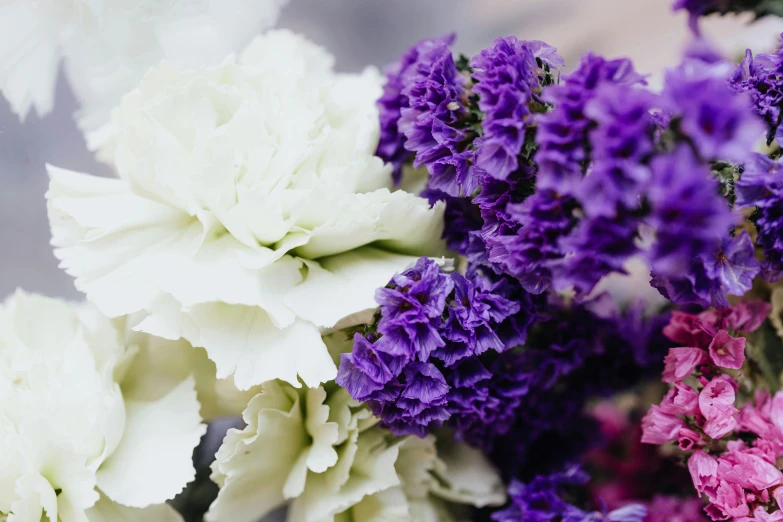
[252,464]
[153,461]
[397,221]
[372,471]
[346,281]
[30,56]
[106,510]
[244,341]
[466,476]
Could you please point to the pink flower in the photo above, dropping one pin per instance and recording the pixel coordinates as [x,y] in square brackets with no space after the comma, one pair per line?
[704,472]
[727,351]
[688,439]
[718,394]
[748,315]
[729,499]
[681,400]
[680,363]
[777,494]
[688,330]
[760,515]
[659,427]
[748,470]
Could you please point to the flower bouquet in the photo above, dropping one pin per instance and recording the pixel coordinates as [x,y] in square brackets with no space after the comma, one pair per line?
[400,289]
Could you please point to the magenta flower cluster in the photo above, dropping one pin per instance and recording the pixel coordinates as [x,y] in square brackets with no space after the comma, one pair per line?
[734,448]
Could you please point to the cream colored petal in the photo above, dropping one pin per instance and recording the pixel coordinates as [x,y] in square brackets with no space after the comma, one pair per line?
[466,476]
[106,510]
[252,464]
[345,284]
[153,461]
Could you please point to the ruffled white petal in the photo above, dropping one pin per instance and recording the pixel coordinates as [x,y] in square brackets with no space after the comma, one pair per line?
[347,282]
[252,464]
[30,56]
[467,477]
[106,510]
[153,461]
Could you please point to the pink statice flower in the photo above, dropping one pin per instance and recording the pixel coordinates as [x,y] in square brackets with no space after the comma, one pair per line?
[680,363]
[659,427]
[681,400]
[727,351]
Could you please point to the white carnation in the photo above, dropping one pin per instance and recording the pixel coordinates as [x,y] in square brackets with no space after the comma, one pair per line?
[74,448]
[325,455]
[108,45]
[251,213]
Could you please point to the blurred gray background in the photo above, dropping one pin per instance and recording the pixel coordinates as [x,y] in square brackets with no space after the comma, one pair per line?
[358,32]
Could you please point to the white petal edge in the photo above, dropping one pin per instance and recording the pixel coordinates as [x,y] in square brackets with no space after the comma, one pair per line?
[153,463]
[106,510]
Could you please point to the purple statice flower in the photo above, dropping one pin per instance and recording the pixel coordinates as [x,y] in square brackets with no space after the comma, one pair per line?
[716,119]
[596,247]
[762,78]
[545,218]
[629,513]
[507,79]
[411,309]
[472,312]
[727,269]
[416,369]
[483,399]
[562,132]
[432,117]
[575,354]
[400,75]
[687,212]
[622,142]
[540,499]
[761,186]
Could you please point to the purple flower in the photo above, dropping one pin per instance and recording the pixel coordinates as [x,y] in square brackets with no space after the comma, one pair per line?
[540,499]
[411,308]
[399,75]
[432,117]
[687,212]
[544,219]
[596,247]
[715,117]
[761,186]
[508,78]
[729,268]
[423,367]
[562,132]
[762,78]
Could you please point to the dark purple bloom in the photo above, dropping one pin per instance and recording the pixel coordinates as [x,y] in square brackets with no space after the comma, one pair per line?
[540,499]
[562,132]
[761,186]
[545,218]
[762,78]
[508,79]
[424,366]
[596,248]
[729,268]
[687,212]
[715,117]
[411,308]
[398,76]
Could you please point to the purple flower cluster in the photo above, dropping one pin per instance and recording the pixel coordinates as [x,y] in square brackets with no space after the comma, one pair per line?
[697,8]
[761,186]
[422,364]
[423,103]
[694,258]
[575,354]
[509,76]
[600,120]
[762,78]
[540,500]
